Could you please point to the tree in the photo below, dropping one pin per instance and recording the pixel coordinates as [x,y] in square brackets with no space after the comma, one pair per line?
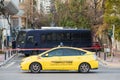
[34,18]
[71,14]
[5,13]
[112,15]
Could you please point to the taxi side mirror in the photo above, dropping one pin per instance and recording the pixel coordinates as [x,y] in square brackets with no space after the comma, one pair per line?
[46,55]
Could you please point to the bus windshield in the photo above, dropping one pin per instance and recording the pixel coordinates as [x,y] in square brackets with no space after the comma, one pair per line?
[21,37]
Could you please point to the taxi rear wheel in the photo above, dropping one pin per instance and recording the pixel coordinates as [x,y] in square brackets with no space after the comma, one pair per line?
[84,68]
[35,67]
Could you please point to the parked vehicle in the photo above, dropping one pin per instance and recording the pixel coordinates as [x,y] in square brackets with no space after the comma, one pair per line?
[43,39]
[96,46]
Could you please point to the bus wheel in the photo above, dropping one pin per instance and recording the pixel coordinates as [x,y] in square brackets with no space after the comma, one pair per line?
[34,52]
[27,55]
[35,67]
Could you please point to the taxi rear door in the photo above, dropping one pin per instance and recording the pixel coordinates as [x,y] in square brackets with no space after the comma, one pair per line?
[71,59]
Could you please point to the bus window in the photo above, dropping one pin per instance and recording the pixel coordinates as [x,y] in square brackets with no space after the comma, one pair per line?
[63,37]
[85,37]
[54,36]
[58,37]
[67,37]
[48,37]
[43,38]
[30,39]
[75,36]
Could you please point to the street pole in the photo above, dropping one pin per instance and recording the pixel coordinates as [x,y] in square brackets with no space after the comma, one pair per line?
[2,40]
[113,42]
[113,33]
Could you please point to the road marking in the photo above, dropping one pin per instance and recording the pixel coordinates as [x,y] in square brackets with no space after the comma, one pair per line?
[10,64]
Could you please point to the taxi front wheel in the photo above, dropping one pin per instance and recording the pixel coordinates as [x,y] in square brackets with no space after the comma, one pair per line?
[35,67]
[84,68]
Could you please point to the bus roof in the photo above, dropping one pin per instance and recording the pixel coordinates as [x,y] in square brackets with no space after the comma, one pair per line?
[32,30]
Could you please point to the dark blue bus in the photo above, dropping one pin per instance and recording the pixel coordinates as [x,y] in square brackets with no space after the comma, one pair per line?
[44,39]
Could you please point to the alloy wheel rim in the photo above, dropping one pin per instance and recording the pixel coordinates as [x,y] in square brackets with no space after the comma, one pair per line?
[35,67]
[84,67]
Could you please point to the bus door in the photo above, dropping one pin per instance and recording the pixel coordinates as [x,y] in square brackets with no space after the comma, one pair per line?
[30,42]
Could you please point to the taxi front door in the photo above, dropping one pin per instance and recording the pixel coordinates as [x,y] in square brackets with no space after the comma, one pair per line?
[53,60]
[50,63]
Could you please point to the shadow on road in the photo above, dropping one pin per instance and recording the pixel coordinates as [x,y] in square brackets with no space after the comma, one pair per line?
[61,72]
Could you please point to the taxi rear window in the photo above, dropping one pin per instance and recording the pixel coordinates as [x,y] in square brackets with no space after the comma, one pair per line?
[72,52]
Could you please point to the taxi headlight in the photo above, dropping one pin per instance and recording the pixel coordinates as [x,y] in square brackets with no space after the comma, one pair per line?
[26,59]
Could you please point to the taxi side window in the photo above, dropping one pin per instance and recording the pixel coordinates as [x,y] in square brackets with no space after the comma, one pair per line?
[57,52]
[72,52]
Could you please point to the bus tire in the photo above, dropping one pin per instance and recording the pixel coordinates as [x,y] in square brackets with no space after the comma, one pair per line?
[27,55]
[34,52]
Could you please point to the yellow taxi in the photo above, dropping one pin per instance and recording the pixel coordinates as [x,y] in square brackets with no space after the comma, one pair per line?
[61,58]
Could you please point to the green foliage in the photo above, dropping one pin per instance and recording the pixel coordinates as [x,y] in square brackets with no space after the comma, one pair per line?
[71,14]
[117,33]
[112,15]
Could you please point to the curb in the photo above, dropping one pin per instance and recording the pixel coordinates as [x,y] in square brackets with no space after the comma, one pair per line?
[108,64]
[9,59]
[102,61]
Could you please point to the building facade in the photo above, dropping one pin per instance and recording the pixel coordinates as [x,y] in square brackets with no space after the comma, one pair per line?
[44,6]
[8,9]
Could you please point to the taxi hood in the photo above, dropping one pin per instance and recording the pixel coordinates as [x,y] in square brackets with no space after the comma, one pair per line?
[30,57]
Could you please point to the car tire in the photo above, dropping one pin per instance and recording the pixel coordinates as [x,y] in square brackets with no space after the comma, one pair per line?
[35,67]
[84,68]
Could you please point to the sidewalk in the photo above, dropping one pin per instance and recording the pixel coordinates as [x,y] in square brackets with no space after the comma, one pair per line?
[110,62]
[2,58]
[9,56]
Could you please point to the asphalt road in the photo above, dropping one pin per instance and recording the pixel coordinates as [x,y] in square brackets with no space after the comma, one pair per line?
[12,71]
